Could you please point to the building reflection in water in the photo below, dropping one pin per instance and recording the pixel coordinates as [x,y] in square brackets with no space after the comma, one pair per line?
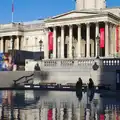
[33,105]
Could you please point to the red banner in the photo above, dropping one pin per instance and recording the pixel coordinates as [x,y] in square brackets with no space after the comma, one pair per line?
[102,37]
[117,39]
[102,117]
[50,41]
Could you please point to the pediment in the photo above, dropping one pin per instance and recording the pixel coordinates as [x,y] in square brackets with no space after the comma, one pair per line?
[73,14]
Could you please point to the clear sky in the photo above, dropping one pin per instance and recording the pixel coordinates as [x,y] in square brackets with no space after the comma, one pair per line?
[27,10]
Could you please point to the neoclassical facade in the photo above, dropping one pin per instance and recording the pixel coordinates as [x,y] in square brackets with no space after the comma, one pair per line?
[77,37]
[75,33]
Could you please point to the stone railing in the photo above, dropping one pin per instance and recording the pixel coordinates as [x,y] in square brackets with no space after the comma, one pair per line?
[34,26]
[81,62]
[74,63]
[18,26]
[68,62]
[12,26]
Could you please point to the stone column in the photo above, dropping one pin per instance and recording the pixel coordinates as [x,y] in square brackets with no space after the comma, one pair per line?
[106,39]
[54,42]
[1,44]
[96,42]
[46,44]
[88,40]
[115,52]
[17,43]
[22,43]
[70,41]
[11,42]
[111,41]
[62,41]
[79,42]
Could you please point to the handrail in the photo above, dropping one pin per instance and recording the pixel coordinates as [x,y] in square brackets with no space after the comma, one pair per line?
[15,81]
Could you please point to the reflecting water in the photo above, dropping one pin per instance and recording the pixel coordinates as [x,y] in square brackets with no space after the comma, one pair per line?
[35,105]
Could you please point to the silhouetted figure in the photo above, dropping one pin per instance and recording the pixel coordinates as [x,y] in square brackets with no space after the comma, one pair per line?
[91,89]
[37,67]
[79,89]
[91,84]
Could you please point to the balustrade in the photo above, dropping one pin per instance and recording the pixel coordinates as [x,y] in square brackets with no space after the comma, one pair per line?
[80,62]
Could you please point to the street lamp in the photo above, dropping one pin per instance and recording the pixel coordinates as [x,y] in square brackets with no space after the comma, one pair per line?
[98,48]
[73,48]
[40,42]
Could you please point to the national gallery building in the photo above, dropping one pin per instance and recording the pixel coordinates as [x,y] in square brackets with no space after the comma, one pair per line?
[71,42]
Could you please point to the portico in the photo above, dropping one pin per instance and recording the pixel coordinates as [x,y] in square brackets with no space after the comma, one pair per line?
[76,38]
[9,42]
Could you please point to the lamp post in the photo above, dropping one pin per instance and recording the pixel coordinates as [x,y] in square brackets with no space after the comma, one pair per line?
[73,48]
[98,48]
[40,42]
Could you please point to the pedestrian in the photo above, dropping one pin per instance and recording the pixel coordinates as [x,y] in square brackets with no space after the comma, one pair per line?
[79,84]
[79,89]
[91,84]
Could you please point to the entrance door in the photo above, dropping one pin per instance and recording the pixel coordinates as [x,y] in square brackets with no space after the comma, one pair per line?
[118,80]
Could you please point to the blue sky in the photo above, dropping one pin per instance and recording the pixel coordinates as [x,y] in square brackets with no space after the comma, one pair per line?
[27,10]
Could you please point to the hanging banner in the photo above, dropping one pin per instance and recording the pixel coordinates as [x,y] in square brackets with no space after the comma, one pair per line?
[50,41]
[117,39]
[102,117]
[102,37]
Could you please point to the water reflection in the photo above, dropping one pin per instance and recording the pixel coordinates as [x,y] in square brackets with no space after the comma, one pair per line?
[31,105]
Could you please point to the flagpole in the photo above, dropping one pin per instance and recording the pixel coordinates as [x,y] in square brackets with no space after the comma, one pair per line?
[12,10]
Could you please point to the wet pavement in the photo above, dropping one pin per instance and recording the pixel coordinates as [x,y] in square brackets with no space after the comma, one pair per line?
[36,105]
